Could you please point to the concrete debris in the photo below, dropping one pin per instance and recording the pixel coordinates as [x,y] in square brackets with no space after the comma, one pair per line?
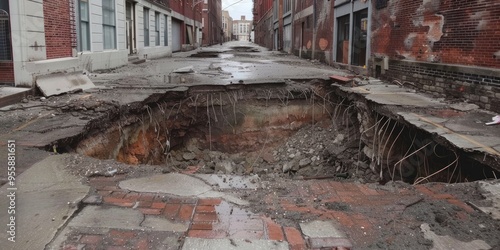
[184,70]
[491,191]
[447,242]
[57,84]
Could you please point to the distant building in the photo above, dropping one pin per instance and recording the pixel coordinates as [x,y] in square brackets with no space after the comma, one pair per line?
[227,26]
[242,29]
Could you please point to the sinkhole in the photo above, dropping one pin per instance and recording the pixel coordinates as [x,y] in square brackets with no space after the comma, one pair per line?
[297,128]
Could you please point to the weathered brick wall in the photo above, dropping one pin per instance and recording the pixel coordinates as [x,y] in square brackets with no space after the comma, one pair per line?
[303,37]
[448,47]
[59,30]
[319,47]
[262,20]
[6,72]
[264,30]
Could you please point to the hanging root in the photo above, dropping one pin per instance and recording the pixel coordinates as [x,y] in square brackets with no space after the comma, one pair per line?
[421,179]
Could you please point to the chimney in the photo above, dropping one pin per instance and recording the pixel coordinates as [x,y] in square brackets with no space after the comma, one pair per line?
[242,18]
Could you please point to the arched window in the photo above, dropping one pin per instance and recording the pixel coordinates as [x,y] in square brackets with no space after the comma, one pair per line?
[5,48]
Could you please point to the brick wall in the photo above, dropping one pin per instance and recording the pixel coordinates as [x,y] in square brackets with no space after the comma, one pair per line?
[319,47]
[455,32]
[7,72]
[59,29]
[263,21]
[449,48]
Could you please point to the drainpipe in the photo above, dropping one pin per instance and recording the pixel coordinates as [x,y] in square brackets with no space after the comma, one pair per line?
[351,31]
[314,30]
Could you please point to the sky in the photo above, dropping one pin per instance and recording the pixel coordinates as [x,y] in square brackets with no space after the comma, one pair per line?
[237,8]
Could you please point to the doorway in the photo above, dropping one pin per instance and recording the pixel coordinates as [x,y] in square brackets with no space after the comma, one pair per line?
[343,39]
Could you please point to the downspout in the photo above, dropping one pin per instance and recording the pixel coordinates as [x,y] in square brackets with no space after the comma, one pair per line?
[351,29]
[314,30]
[292,45]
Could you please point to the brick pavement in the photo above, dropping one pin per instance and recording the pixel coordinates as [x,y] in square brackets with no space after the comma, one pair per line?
[363,212]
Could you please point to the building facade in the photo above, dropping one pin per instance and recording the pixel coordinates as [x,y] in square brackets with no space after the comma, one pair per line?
[447,48]
[212,22]
[242,29]
[263,22]
[53,36]
[227,26]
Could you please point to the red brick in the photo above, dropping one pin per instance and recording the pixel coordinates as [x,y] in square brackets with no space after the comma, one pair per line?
[205,202]
[367,191]
[118,194]
[171,210]
[158,205]
[294,238]
[150,211]
[147,197]
[91,239]
[116,248]
[201,226]
[145,204]
[121,234]
[118,201]
[424,190]
[206,217]
[351,187]
[443,196]
[275,231]
[132,196]
[205,209]
[342,218]
[186,212]
[317,189]
[109,188]
[207,234]
[461,205]
[142,244]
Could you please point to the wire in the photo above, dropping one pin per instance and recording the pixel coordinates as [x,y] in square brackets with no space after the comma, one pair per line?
[233,4]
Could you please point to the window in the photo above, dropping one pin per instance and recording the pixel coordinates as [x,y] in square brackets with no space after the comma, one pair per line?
[146,27]
[157,28]
[5,48]
[287,6]
[84,35]
[109,24]
[165,36]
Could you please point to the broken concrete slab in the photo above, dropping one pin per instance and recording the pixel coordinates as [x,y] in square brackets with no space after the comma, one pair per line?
[155,223]
[45,198]
[321,229]
[447,242]
[176,184]
[231,181]
[112,217]
[184,70]
[56,84]
[12,95]
[240,244]
[491,191]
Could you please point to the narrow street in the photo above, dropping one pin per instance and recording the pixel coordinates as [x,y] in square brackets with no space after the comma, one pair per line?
[234,146]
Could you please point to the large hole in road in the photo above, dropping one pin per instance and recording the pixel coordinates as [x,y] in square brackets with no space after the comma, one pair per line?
[294,129]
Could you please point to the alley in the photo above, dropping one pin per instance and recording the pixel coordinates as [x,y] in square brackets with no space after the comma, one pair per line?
[234,146]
